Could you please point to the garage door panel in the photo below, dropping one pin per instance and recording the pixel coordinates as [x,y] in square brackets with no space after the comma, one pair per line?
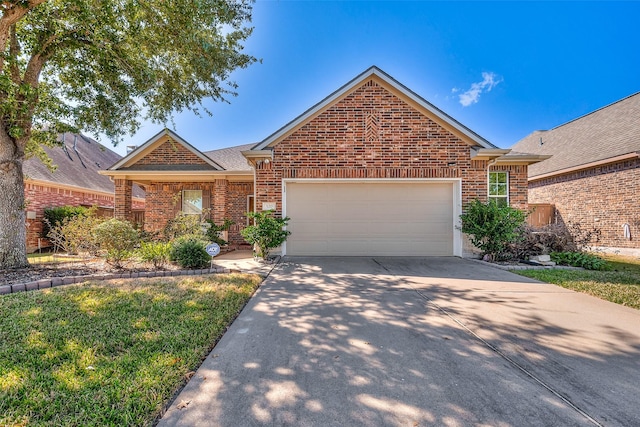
[404,219]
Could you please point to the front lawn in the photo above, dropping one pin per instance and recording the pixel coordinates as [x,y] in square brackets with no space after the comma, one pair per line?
[620,285]
[109,353]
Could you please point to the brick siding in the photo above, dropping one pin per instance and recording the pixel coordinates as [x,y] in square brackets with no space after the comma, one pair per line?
[225,200]
[40,197]
[604,197]
[170,153]
[371,133]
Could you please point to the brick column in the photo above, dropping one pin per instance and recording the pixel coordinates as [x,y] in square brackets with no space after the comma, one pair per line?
[123,199]
[220,200]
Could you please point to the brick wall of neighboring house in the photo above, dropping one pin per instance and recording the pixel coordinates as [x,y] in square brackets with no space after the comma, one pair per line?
[39,197]
[604,197]
[170,153]
[221,198]
[372,133]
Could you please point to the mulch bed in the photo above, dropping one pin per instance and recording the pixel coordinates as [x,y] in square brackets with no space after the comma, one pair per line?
[70,268]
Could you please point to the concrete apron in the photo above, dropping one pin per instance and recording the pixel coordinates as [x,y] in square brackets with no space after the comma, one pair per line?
[425,341]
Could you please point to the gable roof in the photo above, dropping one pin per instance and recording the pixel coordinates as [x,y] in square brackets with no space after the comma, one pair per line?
[231,158]
[137,154]
[605,134]
[386,79]
[78,161]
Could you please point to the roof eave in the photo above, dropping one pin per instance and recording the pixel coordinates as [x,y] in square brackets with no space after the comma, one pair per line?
[623,157]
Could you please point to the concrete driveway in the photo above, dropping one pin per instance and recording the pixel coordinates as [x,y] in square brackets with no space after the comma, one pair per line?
[415,342]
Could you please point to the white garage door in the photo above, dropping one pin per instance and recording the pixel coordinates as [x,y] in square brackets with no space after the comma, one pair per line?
[383,219]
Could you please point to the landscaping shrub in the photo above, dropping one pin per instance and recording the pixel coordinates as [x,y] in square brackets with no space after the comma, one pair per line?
[267,233]
[492,228]
[190,252]
[74,234]
[186,225]
[157,253]
[117,238]
[213,233]
[580,259]
[55,216]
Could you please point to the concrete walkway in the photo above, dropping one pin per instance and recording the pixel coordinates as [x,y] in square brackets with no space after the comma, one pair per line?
[415,342]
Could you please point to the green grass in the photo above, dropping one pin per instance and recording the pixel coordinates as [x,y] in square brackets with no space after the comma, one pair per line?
[109,353]
[620,285]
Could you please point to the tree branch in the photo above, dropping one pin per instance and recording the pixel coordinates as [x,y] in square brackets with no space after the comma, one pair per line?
[14,52]
[10,16]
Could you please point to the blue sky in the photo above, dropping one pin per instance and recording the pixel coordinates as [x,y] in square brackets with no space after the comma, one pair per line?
[503,69]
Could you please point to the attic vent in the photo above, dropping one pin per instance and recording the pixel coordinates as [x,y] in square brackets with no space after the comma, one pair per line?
[130,148]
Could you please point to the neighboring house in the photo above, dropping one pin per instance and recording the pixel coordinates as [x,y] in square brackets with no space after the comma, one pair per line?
[593,176]
[74,182]
[373,169]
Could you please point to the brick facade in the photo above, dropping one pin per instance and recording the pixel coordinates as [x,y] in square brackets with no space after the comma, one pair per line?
[170,153]
[604,197]
[221,199]
[40,197]
[372,133]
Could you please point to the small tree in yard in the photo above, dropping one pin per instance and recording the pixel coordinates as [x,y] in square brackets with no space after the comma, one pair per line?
[267,233]
[492,228]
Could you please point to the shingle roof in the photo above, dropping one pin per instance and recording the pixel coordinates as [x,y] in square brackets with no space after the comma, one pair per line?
[231,158]
[609,132]
[78,162]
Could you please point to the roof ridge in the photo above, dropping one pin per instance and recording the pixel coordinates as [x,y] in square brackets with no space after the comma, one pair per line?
[594,111]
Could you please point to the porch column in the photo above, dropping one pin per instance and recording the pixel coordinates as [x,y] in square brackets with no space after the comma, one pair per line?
[123,199]
[220,200]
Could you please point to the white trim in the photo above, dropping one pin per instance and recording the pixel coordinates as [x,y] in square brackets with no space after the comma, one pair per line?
[457,198]
[489,197]
[356,82]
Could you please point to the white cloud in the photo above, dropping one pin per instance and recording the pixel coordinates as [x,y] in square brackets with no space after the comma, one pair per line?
[471,96]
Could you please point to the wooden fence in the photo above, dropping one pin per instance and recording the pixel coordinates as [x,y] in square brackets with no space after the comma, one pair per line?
[542,214]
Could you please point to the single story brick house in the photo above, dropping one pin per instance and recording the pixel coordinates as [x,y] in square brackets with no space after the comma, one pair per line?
[74,182]
[593,174]
[372,169]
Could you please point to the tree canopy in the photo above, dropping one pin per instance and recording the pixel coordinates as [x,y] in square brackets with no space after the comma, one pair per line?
[101,66]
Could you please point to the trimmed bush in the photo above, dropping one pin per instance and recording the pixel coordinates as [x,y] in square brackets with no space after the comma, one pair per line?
[157,253]
[190,252]
[117,238]
[492,228]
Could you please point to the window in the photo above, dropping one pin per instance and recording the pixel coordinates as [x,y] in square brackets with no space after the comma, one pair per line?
[499,188]
[192,202]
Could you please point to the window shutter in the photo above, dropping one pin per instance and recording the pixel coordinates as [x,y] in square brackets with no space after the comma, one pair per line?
[206,202]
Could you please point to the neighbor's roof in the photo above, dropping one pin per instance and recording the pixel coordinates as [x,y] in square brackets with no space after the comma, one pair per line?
[606,133]
[78,162]
[231,158]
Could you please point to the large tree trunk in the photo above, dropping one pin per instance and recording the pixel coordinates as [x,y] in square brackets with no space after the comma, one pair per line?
[13,232]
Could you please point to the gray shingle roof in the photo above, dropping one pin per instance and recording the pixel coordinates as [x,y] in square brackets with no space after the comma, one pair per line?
[231,158]
[611,131]
[78,167]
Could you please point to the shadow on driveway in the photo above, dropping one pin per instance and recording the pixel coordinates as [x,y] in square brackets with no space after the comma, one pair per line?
[414,342]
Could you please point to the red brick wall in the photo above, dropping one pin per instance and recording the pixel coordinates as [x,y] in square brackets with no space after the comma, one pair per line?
[372,133]
[39,197]
[170,153]
[163,200]
[604,197]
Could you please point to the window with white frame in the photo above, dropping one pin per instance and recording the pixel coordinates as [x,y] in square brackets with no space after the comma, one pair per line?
[499,188]
[192,202]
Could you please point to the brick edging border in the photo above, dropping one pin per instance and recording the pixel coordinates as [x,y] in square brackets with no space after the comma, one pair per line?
[68,280]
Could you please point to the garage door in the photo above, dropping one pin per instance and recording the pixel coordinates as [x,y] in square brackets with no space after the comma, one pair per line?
[360,219]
